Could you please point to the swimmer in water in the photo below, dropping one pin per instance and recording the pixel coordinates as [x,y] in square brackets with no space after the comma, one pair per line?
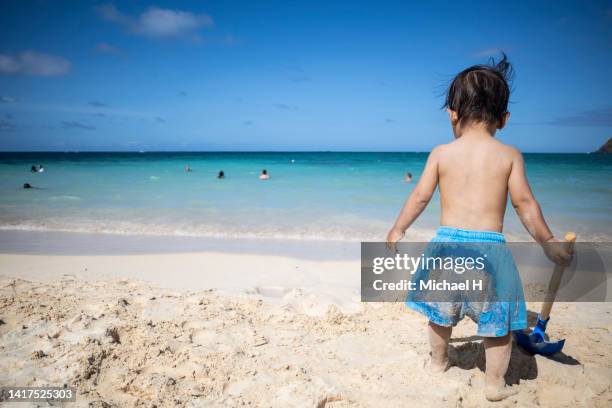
[188,169]
[264,175]
[408,178]
[34,169]
[27,185]
[221,175]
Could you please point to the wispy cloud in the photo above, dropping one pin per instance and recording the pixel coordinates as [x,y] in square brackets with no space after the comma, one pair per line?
[592,118]
[230,40]
[160,119]
[158,22]
[7,99]
[182,93]
[97,104]
[285,106]
[247,122]
[294,71]
[300,78]
[6,125]
[487,52]
[73,124]
[106,48]
[33,63]
[87,109]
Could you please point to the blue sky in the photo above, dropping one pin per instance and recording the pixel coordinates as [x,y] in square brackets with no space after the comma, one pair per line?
[285,75]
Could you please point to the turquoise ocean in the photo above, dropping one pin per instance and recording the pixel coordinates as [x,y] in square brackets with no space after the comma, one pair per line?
[311,195]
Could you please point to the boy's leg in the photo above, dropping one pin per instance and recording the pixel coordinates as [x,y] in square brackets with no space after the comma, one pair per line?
[497,352]
[438,339]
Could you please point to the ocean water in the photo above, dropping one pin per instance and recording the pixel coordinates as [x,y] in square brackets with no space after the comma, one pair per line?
[327,196]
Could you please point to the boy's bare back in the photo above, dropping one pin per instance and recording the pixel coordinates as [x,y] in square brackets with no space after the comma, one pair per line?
[473,175]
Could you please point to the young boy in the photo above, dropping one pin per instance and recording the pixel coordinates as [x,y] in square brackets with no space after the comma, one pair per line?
[475,173]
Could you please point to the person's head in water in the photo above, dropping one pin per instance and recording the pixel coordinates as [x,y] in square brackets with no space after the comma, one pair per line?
[34,169]
[408,177]
[264,175]
[479,95]
[27,185]
[221,175]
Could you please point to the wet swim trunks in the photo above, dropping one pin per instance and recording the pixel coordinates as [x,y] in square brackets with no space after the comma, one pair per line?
[497,309]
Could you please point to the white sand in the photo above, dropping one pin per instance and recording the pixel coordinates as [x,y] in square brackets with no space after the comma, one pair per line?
[277,331]
[273,277]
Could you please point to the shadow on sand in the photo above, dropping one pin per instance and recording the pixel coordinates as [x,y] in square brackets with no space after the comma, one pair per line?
[470,354]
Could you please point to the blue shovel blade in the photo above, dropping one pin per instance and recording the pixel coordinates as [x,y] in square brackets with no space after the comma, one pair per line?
[535,345]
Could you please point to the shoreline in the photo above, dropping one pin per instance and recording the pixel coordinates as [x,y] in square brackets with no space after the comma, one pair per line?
[90,243]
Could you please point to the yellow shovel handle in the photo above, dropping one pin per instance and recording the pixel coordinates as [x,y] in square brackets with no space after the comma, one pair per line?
[555,280]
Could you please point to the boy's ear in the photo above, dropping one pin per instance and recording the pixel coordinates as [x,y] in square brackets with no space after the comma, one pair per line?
[452,116]
[504,120]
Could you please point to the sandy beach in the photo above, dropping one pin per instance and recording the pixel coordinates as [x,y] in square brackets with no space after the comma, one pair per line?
[240,329]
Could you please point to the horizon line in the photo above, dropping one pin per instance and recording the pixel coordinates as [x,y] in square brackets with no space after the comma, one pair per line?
[258,151]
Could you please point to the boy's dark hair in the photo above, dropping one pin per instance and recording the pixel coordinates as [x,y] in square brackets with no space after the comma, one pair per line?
[481,92]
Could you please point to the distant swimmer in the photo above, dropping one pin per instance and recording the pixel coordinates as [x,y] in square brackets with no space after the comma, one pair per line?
[264,175]
[188,169]
[408,178]
[221,175]
[27,185]
[37,168]
[41,169]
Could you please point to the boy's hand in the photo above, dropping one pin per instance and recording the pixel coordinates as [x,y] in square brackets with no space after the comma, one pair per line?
[392,237]
[558,252]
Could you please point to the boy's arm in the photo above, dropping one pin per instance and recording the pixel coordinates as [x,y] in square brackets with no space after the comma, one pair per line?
[530,213]
[524,203]
[418,199]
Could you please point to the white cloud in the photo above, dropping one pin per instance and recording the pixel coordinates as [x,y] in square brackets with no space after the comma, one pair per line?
[162,23]
[33,63]
[110,13]
[487,52]
[158,22]
[106,48]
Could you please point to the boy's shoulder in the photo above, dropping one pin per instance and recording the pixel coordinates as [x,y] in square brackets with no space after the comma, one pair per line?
[504,153]
[509,150]
[503,148]
[440,149]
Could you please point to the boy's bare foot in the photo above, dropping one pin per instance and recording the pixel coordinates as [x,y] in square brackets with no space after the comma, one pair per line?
[498,393]
[436,366]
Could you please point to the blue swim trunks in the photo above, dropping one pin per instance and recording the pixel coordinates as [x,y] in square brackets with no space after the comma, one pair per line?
[497,309]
